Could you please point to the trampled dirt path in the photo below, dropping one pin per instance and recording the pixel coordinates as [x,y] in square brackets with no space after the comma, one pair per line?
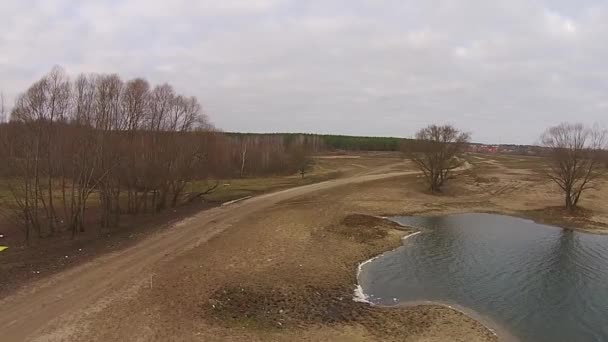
[25,314]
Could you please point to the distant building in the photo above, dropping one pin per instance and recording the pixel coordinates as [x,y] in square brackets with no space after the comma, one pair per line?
[481,148]
[506,149]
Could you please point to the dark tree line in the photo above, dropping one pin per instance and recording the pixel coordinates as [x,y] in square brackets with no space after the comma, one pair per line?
[328,142]
[354,143]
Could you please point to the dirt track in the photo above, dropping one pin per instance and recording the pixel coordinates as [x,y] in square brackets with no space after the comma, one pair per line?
[27,312]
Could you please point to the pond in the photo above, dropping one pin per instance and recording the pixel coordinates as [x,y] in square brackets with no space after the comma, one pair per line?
[538,282]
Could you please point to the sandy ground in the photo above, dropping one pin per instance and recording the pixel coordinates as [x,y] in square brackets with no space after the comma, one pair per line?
[279,267]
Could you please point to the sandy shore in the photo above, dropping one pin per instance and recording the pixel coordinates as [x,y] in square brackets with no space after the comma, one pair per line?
[501,333]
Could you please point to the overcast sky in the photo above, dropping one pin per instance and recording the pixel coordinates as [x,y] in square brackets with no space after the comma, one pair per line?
[503,70]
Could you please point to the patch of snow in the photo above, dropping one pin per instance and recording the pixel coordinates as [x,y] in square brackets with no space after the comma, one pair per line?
[359,295]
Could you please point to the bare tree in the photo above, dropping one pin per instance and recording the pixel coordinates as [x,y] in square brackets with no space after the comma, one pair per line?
[436,152]
[58,89]
[42,107]
[575,155]
[84,100]
[135,98]
[244,143]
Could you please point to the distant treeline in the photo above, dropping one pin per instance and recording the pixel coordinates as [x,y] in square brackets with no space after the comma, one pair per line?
[329,142]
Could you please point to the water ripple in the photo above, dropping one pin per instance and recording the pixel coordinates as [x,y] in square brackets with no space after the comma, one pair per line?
[542,283]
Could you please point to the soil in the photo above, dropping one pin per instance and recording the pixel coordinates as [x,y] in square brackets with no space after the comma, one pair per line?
[279,267]
[21,264]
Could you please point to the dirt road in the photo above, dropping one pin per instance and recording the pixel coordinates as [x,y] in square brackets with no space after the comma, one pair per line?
[29,311]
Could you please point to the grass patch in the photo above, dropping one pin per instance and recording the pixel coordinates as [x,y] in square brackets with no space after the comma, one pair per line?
[363,228]
[580,218]
[242,187]
[520,162]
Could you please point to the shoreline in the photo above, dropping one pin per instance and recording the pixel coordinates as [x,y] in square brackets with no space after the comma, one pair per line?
[361,297]
[522,214]
[501,333]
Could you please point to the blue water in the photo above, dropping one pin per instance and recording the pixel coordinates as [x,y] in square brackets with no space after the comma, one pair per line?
[540,283]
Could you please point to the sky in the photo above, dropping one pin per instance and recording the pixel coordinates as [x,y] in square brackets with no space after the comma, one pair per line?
[502,70]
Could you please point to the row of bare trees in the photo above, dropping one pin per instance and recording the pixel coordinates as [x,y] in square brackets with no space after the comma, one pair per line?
[127,146]
[103,136]
[576,156]
[263,154]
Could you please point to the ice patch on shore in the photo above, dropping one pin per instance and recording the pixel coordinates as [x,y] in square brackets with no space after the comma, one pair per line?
[359,295]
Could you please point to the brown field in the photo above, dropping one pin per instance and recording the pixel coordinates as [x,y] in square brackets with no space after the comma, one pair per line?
[279,266]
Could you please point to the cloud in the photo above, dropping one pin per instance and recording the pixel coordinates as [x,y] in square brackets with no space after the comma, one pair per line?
[503,70]
[558,24]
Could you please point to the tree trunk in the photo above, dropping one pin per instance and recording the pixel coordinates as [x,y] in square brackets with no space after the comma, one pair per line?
[51,209]
[569,203]
[243,158]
